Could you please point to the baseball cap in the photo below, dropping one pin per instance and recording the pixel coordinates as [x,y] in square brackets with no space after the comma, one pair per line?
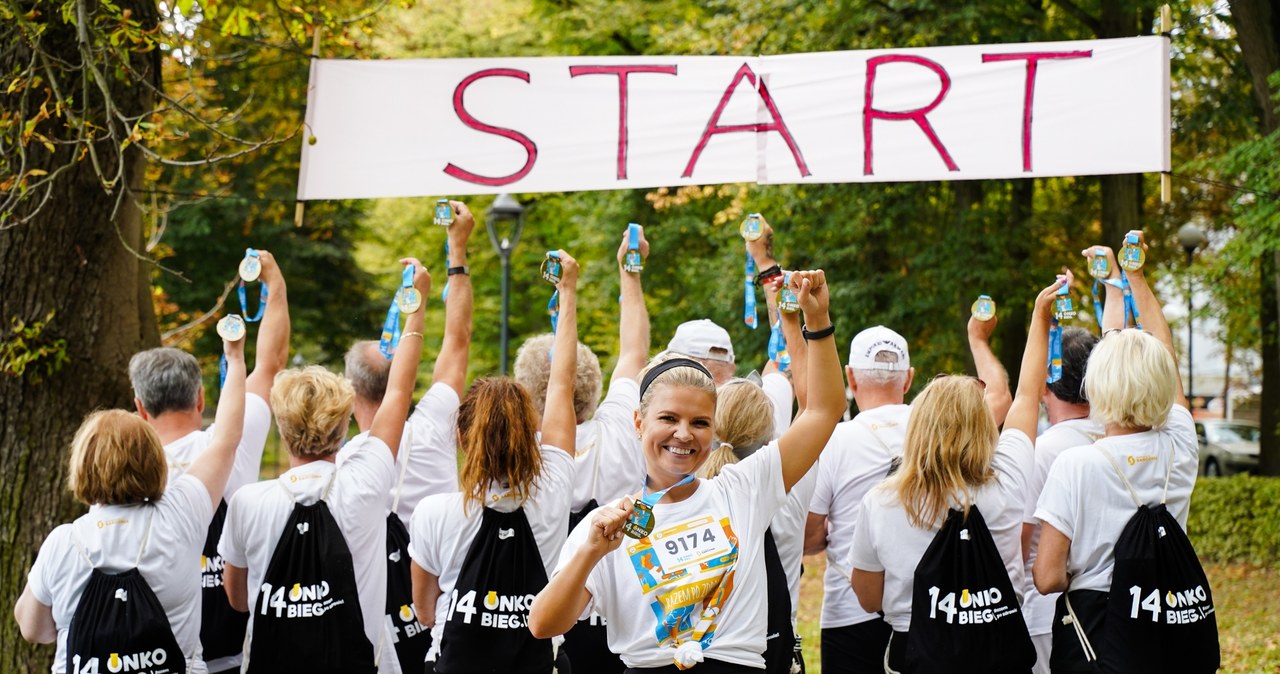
[866,345]
[698,338]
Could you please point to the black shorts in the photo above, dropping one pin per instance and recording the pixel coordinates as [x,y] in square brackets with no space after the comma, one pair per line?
[855,649]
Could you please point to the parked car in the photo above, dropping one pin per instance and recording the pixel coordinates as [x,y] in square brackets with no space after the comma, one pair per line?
[1227,446]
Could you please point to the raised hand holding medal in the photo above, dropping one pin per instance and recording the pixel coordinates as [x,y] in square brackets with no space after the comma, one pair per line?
[414,282]
[250,271]
[550,269]
[1133,254]
[444,213]
[751,228]
[408,298]
[984,308]
[636,249]
[231,328]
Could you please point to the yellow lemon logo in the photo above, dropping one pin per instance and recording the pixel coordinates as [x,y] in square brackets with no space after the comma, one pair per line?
[101,524]
[1132,460]
[491,600]
[296,592]
[1170,599]
[113,663]
[964,597]
[204,562]
[406,614]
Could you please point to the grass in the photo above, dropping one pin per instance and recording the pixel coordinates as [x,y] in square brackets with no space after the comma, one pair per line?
[1247,599]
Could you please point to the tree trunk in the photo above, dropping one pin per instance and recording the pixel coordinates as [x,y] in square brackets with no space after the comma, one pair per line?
[1257,24]
[68,262]
[1014,316]
[1122,194]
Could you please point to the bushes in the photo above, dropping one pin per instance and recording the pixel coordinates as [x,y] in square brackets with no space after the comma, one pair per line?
[1236,519]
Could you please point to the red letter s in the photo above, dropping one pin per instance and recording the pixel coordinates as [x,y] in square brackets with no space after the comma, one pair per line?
[529,147]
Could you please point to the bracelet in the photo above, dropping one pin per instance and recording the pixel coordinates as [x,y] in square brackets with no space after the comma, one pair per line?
[767,274]
[817,334]
[412,333]
[463,270]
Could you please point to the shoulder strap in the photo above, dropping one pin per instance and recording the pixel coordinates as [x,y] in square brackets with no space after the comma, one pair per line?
[146,534]
[406,449]
[595,463]
[1168,474]
[75,541]
[1137,503]
[329,487]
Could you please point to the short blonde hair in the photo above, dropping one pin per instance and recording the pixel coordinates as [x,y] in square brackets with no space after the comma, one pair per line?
[1131,380]
[116,459]
[949,445]
[313,410]
[533,372]
[743,423]
[676,376]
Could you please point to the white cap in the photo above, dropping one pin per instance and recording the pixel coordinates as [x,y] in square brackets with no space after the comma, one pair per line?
[698,338]
[873,341]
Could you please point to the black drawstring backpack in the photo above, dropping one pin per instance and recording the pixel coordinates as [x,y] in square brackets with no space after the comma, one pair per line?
[965,615]
[412,639]
[485,628]
[221,627]
[308,616]
[1159,611]
[119,624]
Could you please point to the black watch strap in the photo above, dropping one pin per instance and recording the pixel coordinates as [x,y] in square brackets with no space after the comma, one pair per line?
[463,270]
[817,334]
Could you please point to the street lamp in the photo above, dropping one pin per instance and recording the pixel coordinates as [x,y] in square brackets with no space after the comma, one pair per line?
[507,213]
[1191,238]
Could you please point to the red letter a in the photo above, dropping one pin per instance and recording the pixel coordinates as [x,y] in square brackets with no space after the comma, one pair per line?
[713,125]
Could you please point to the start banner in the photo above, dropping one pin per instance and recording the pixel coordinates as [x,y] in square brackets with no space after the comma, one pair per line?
[441,127]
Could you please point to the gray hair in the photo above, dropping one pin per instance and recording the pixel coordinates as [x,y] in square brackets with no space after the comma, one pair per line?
[367,374]
[881,378]
[165,379]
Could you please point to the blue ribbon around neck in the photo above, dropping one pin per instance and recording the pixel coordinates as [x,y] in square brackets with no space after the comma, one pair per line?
[651,499]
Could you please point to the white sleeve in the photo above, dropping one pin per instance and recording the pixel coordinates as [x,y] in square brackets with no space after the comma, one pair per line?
[621,465]
[368,474]
[757,481]
[777,387]
[1014,462]
[577,538]
[248,461]
[432,454]
[53,551]
[1056,506]
[185,509]
[1035,484]
[820,502]
[426,533]
[863,554]
[233,545]
[551,503]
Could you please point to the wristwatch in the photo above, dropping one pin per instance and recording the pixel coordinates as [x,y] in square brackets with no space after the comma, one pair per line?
[463,270]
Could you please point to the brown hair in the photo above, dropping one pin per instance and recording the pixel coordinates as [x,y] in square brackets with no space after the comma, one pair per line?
[313,410]
[498,434]
[116,459]
[743,423]
[950,442]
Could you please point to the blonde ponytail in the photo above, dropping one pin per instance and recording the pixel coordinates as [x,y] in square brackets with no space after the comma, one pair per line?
[721,457]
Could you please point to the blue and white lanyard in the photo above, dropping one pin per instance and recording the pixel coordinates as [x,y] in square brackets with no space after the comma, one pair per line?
[1130,305]
[391,326]
[749,294]
[444,296]
[778,347]
[651,499]
[244,301]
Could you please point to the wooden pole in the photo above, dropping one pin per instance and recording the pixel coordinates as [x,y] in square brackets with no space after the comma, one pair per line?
[300,209]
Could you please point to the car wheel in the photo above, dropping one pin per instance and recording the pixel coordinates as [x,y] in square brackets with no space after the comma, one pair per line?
[1211,468]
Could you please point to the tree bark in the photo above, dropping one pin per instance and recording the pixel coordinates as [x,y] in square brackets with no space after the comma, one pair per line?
[1257,24]
[1121,194]
[69,260]
[1014,316]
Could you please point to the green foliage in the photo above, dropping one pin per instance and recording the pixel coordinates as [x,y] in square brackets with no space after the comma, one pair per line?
[28,352]
[1237,519]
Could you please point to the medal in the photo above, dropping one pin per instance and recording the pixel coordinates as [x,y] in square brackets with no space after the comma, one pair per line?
[250,266]
[551,268]
[641,522]
[633,263]
[409,300]
[1099,266]
[787,301]
[444,213]
[751,229]
[1132,257]
[231,328]
[984,308]
[1063,308]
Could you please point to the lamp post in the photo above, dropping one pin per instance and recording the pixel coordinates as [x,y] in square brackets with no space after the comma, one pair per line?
[508,213]
[1191,238]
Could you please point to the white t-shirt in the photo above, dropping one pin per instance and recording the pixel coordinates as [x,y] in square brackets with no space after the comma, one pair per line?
[736,506]
[111,537]
[856,459]
[440,533]
[248,461]
[1084,498]
[788,533]
[1038,608]
[884,539]
[428,456]
[609,464]
[777,387]
[358,501]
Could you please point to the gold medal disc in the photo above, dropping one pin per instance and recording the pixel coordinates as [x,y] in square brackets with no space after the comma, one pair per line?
[409,300]
[1132,258]
[751,229]
[231,328]
[983,309]
[250,269]
[641,522]
[1100,267]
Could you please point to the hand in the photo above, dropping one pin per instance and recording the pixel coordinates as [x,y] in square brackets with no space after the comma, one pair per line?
[1046,296]
[421,277]
[568,272]
[1110,254]
[626,245]
[811,291]
[463,224]
[270,270]
[761,250]
[234,351]
[606,526]
[982,330]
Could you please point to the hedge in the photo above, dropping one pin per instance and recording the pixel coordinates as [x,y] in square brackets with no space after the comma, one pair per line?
[1236,519]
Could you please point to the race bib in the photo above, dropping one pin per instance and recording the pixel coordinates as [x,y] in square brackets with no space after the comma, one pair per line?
[690,543]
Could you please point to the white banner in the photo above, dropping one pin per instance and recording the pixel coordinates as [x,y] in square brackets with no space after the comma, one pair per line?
[445,127]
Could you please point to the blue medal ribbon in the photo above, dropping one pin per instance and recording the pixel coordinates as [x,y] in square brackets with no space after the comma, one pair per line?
[391,326]
[632,261]
[749,296]
[1130,305]
[1054,365]
[651,499]
[778,347]
[444,296]
[553,310]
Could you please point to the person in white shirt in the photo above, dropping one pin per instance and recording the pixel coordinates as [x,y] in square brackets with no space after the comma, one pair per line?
[863,452]
[507,468]
[1135,392]
[313,409]
[168,394]
[138,519]
[953,457]
[686,587]
[428,456]
[1070,426]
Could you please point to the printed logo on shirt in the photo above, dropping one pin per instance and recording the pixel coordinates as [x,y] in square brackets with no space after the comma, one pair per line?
[102,524]
[146,661]
[299,601]
[1134,460]
[211,571]
[972,608]
[504,534]
[496,610]
[405,620]
[680,568]
[299,478]
[1182,607]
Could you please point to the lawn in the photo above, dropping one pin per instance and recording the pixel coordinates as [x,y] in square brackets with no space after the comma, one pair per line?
[1246,596]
